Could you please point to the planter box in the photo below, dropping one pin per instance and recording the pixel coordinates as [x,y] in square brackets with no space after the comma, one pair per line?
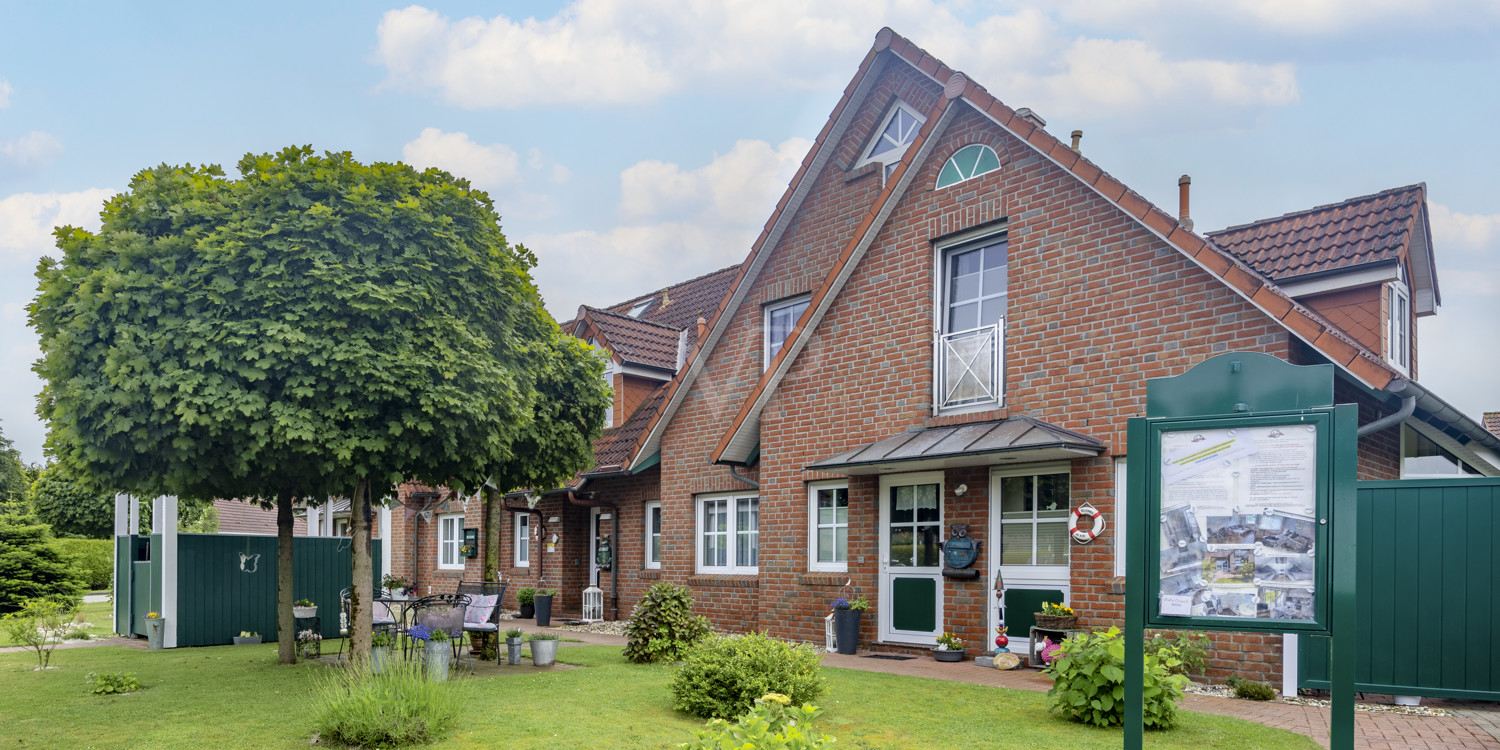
[248,640]
[513,650]
[304,611]
[947,655]
[543,653]
[438,657]
[154,633]
[543,604]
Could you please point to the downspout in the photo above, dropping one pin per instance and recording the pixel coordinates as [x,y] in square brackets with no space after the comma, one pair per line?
[614,535]
[743,478]
[541,523]
[1408,406]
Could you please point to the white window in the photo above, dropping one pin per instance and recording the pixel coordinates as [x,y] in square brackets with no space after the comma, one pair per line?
[640,308]
[653,535]
[1398,342]
[609,380]
[828,522]
[781,317]
[521,522]
[970,348]
[895,134]
[1034,519]
[728,534]
[450,538]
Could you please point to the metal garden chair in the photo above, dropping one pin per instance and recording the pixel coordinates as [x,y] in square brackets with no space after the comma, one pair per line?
[491,623]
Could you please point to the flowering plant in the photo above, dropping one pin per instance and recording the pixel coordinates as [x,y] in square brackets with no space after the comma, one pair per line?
[422,632]
[1058,610]
[858,603]
[950,642]
[839,603]
[304,603]
[394,583]
[153,615]
[466,550]
[309,636]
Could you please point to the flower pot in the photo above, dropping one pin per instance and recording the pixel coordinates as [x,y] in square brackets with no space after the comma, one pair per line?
[846,629]
[246,640]
[379,655]
[439,655]
[543,610]
[528,611]
[543,653]
[944,655]
[154,628]
[513,650]
[304,611]
[1056,622]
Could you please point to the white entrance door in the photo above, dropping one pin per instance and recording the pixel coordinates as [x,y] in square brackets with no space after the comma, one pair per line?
[597,517]
[911,566]
[1029,508]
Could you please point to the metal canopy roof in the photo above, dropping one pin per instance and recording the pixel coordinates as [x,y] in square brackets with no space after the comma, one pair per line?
[1014,440]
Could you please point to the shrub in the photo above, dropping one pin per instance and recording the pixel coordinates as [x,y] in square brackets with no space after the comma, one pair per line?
[1251,690]
[724,674]
[92,559]
[40,624]
[112,683]
[543,637]
[1192,649]
[515,633]
[1088,681]
[32,567]
[357,708]
[525,595]
[662,627]
[773,724]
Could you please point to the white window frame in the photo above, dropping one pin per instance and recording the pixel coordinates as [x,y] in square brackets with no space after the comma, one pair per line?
[640,308]
[652,564]
[1119,520]
[521,540]
[1040,470]
[942,257]
[450,545]
[1399,355]
[813,564]
[766,354]
[890,158]
[731,553]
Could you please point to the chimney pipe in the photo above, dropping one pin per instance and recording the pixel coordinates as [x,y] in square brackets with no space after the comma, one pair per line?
[1035,119]
[1077,136]
[702,329]
[1183,220]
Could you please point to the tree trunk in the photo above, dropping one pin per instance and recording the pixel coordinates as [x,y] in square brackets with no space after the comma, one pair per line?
[361,608]
[286,629]
[492,516]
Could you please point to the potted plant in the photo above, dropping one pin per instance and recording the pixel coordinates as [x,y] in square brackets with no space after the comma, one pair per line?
[847,614]
[543,649]
[397,585]
[513,640]
[246,638]
[949,648]
[309,644]
[543,600]
[380,650]
[154,623]
[525,596]
[436,652]
[1056,617]
[304,608]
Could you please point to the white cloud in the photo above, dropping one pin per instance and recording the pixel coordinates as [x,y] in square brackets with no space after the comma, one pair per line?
[31,149]
[1295,18]
[1456,357]
[611,52]
[5,92]
[739,187]
[1475,233]
[489,167]
[27,220]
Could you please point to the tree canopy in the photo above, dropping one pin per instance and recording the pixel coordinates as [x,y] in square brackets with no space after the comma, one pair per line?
[13,484]
[72,505]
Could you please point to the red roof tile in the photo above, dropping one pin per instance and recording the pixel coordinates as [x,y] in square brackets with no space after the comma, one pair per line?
[1367,229]
[1492,421]
[636,342]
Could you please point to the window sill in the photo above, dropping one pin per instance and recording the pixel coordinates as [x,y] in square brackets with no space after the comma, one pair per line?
[449,572]
[722,580]
[823,578]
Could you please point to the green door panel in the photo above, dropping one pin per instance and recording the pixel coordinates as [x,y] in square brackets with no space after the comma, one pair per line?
[914,604]
[1021,606]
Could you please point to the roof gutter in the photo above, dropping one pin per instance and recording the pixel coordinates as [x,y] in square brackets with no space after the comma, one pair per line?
[1408,406]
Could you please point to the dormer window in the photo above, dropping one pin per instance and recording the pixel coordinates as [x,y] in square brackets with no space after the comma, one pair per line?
[609,380]
[895,134]
[640,308]
[781,318]
[1398,338]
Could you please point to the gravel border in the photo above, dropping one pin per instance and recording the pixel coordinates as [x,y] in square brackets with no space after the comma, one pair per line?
[1223,691]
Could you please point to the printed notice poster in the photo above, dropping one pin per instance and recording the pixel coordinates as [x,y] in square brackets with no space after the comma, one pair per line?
[1238,522]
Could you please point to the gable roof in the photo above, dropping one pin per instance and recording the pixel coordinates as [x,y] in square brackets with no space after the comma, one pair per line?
[1303,323]
[634,341]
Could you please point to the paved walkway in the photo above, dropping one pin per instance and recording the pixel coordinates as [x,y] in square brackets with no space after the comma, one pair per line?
[1472,725]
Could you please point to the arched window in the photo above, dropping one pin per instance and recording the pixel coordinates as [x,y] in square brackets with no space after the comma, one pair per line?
[967,163]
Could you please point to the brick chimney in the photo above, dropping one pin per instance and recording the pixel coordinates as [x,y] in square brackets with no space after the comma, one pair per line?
[1183,220]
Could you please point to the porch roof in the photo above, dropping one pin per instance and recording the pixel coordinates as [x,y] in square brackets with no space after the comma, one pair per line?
[1014,440]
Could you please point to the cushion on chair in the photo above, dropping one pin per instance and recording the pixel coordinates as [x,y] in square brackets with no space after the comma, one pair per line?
[480,608]
[382,614]
[486,627]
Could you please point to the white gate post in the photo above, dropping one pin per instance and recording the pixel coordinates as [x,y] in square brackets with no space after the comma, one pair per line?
[164,519]
[1289,665]
[124,512]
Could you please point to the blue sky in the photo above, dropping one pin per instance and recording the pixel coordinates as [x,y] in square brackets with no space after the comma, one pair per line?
[631,144]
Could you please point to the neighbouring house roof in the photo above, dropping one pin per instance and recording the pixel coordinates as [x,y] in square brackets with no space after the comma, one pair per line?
[615,448]
[241,517]
[981,443]
[1492,421]
[677,306]
[634,341]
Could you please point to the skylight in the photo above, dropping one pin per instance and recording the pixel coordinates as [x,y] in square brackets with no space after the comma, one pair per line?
[640,308]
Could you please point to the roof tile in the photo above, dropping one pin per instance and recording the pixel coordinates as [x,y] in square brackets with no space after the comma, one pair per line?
[637,342]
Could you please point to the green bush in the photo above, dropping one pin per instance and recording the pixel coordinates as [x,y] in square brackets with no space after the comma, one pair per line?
[356,708]
[92,559]
[1088,681]
[30,567]
[1251,690]
[773,724]
[525,595]
[724,674]
[663,627]
[1192,649]
[112,683]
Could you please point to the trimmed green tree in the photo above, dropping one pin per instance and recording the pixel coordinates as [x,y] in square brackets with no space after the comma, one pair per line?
[13,484]
[71,505]
[30,567]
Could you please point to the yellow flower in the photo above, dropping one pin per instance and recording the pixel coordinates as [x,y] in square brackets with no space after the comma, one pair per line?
[778,698]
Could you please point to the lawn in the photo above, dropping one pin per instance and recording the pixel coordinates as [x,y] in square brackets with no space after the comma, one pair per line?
[236,697]
[99,615]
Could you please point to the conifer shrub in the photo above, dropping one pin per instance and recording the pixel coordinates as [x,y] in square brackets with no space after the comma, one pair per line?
[663,627]
[724,674]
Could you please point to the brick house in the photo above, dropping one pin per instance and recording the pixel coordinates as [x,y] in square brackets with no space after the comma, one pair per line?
[948,319]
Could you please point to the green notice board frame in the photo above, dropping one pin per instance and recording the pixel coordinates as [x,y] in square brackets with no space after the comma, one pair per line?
[1252,391]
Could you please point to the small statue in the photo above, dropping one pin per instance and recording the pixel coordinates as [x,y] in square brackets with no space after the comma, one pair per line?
[1001,640]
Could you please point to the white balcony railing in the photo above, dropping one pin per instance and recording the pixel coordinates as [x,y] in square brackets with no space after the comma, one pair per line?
[969,367]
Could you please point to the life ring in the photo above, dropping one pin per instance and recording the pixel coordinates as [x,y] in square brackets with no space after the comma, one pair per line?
[1084,536]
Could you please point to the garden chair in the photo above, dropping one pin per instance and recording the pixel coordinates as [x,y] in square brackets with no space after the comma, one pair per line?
[380,619]
[483,614]
[444,611]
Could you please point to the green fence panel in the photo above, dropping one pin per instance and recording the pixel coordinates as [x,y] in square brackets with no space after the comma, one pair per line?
[1429,615]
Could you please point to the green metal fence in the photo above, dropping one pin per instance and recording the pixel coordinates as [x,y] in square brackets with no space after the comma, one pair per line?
[1429,613]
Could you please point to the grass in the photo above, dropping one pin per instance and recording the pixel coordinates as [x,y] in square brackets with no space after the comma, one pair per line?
[100,615]
[237,697]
